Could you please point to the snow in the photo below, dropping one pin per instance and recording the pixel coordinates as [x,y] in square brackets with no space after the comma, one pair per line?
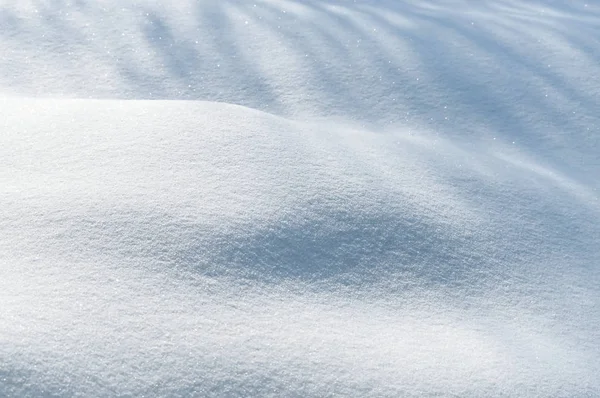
[299,198]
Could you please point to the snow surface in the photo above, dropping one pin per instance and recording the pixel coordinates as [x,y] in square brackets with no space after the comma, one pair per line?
[322,198]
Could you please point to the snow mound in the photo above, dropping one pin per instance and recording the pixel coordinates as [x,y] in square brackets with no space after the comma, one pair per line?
[171,248]
[299,198]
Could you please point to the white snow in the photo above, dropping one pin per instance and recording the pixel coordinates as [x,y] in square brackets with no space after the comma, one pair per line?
[299,198]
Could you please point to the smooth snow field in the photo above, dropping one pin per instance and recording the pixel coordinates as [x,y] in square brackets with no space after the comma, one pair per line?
[286,198]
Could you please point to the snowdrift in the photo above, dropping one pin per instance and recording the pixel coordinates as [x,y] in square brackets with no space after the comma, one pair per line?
[285,198]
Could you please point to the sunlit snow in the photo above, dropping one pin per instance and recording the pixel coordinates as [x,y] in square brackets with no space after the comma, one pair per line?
[299,198]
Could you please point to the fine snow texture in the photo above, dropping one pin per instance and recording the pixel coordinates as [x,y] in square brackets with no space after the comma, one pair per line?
[369,198]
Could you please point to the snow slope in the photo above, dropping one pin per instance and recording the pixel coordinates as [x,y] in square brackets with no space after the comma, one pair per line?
[322,198]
